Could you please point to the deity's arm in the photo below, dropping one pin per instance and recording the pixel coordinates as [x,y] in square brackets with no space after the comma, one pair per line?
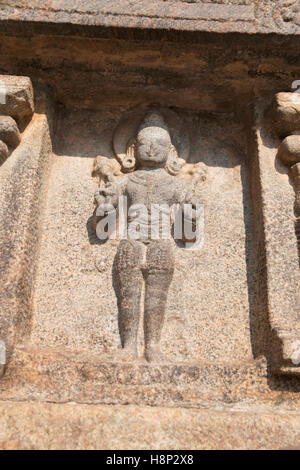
[189,203]
[107,200]
[109,195]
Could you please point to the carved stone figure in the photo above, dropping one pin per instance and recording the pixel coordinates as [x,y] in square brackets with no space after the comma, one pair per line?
[152,161]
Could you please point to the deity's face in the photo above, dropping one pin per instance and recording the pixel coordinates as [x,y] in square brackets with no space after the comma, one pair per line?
[152,147]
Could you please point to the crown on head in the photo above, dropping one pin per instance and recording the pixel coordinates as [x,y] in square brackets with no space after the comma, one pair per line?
[153,119]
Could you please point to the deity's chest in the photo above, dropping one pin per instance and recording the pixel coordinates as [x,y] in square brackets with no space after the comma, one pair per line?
[150,188]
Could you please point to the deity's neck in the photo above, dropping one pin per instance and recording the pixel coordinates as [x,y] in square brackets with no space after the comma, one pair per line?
[153,169]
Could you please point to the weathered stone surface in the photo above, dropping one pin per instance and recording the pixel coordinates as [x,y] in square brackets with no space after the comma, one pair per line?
[289,150]
[284,114]
[277,262]
[9,132]
[82,314]
[18,102]
[65,376]
[230,337]
[3,152]
[22,178]
[60,377]
[70,426]
[215,16]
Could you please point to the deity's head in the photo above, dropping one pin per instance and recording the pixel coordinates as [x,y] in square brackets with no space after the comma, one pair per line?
[153,142]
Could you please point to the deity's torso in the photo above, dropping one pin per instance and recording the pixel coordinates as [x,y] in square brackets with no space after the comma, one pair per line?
[154,186]
[149,189]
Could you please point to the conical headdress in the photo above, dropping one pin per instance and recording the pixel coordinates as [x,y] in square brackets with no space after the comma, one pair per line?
[153,119]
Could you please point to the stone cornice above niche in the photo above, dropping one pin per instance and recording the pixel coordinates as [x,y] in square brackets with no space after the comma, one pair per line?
[222,16]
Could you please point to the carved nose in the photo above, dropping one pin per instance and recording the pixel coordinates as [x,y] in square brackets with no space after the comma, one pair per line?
[152,149]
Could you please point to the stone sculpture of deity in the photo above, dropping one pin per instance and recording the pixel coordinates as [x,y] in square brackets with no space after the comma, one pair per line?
[146,263]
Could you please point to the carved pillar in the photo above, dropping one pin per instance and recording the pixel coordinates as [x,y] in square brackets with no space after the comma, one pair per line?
[289,155]
[274,147]
[295,175]
[23,171]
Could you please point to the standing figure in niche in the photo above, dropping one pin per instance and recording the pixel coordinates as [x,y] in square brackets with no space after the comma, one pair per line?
[146,261]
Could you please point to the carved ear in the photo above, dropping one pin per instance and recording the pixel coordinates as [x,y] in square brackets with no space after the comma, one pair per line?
[128,162]
[174,163]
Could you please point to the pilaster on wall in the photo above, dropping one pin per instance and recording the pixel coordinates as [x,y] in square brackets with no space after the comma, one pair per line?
[277,259]
[25,140]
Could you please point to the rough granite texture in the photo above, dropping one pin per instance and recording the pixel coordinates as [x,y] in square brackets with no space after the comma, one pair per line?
[22,179]
[278,261]
[19,103]
[71,316]
[49,426]
[232,313]
[257,16]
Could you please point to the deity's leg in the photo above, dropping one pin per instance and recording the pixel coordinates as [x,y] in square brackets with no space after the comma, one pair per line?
[130,283]
[158,276]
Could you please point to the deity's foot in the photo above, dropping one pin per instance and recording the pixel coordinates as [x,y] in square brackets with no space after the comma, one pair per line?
[153,354]
[127,354]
